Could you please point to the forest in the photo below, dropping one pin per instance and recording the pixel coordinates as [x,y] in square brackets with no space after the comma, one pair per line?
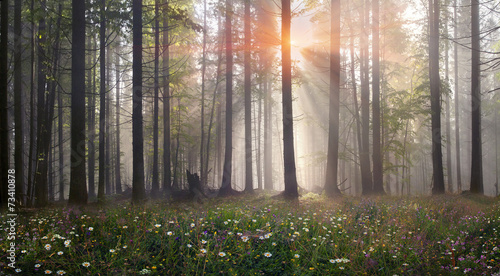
[230,121]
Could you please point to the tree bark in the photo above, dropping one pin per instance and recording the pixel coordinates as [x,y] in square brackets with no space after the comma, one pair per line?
[476,178]
[91,117]
[118,178]
[202,117]
[102,104]
[290,175]
[61,142]
[331,177]
[457,95]
[155,185]
[138,188]
[78,187]
[40,185]
[4,125]
[437,156]
[378,181]
[18,106]
[248,103]
[366,176]
[167,173]
[226,188]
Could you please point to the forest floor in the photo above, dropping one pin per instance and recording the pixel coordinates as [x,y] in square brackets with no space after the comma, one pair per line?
[261,235]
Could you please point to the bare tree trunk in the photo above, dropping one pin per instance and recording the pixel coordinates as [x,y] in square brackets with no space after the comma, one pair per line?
[447,107]
[248,103]
[107,175]
[18,106]
[51,166]
[167,173]
[203,70]
[437,156]
[102,109]
[216,89]
[61,142]
[331,177]
[290,175]
[226,188]
[155,185]
[366,177]
[118,178]
[44,126]
[457,95]
[258,130]
[4,125]
[78,187]
[138,189]
[378,180]
[91,118]
[476,178]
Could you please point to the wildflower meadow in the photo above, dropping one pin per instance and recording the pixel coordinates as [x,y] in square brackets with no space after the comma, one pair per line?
[259,235]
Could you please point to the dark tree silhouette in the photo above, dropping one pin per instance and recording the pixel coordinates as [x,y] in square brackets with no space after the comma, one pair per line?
[138,188]
[366,176]
[332,160]
[437,156]
[248,102]
[118,178]
[155,185]
[288,150]
[457,108]
[102,101]
[167,173]
[4,126]
[78,185]
[226,188]
[18,105]
[378,181]
[476,178]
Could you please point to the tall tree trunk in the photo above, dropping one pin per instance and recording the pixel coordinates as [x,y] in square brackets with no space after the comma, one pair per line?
[356,107]
[118,178]
[218,139]
[155,185]
[102,104]
[437,156]
[476,177]
[331,177]
[268,135]
[41,156]
[378,181]
[138,188]
[214,98]
[61,142]
[4,125]
[447,107]
[78,187]
[31,161]
[258,130]
[91,117]
[167,173]
[226,188]
[51,167]
[457,95]
[288,151]
[248,103]
[107,172]
[18,106]
[203,70]
[366,176]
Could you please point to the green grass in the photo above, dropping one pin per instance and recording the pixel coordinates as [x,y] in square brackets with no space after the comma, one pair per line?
[446,235]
